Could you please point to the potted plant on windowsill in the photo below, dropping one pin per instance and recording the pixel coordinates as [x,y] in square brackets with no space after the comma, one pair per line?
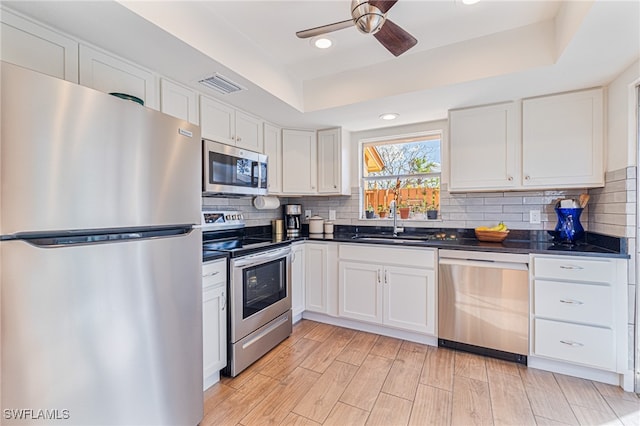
[382,211]
[369,213]
[432,211]
[404,211]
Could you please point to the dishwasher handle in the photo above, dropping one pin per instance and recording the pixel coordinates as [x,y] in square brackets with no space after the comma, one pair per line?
[485,264]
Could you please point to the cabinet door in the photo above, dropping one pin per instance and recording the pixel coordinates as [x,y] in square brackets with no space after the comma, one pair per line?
[360,291]
[410,299]
[216,121]
[248,132]
[273,149]
[484,148]
[37,48]
[299,162]
[214,333]
[329,161]
[109,74]
[316,277]
[297,280]
[562,140]
[178,101]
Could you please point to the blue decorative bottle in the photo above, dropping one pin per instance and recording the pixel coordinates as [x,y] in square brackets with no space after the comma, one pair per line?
[569,229]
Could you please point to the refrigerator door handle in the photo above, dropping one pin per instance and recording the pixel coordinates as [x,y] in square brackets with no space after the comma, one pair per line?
[77,238]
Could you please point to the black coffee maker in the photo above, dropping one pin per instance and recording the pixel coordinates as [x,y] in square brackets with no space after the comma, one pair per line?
[292,222]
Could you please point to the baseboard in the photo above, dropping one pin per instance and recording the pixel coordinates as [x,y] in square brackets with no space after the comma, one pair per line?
[372,328]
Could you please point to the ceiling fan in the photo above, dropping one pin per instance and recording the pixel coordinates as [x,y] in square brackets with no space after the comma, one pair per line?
[370,17]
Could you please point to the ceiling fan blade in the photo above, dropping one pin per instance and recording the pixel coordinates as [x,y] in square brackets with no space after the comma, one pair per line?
[383,5]
[394,38]
[312,32]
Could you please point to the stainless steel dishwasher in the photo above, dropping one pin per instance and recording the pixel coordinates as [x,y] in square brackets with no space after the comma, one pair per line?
[483,303]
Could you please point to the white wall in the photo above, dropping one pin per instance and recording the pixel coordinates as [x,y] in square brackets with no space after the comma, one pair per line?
[621,135]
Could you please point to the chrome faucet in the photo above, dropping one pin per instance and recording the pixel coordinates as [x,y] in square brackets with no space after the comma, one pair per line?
[396,228]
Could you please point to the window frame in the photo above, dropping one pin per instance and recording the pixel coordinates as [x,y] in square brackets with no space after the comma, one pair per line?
[432,134]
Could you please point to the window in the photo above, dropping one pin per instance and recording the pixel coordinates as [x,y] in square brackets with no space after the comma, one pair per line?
[404,168]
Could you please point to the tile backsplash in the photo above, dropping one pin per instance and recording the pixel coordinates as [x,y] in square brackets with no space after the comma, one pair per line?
[611,209]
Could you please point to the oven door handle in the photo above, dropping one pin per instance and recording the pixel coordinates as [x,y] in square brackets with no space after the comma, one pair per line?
[260,258]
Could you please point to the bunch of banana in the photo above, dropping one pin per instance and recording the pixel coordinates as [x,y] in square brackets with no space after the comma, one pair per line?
[501,227]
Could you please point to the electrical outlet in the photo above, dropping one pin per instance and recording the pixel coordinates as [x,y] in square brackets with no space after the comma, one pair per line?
[534,216]
[307,214]
[332,215]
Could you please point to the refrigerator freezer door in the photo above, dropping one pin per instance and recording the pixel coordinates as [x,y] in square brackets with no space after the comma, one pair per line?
[75,158]
[110,332]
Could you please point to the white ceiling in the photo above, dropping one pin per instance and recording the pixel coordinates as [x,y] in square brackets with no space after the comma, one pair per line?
[466,55]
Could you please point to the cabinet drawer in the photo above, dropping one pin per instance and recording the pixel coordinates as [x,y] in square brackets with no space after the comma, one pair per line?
[214,273]
[574,269]
[583,344]
[585,303]
[383,255]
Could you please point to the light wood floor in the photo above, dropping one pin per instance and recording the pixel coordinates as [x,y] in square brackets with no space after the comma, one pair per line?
[330,375]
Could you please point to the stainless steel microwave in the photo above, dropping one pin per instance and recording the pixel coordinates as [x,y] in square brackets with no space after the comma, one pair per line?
[231,170]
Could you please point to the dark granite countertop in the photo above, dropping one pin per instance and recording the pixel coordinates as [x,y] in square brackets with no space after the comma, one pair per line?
[518,241]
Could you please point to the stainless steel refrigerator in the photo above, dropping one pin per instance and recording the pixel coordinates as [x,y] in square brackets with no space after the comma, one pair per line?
[100,264]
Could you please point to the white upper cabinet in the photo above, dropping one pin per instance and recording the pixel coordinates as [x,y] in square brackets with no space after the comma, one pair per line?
[333,162]
[110,74]
[562,140]
[484,148]
[555,142]
[178,101]
[273,149]
[225,124]
[299,162]
[35,47]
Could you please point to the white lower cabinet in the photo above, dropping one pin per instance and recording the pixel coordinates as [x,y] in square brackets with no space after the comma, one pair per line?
[578,311]
[297,281]
[409,298]
[360,291]
[214,320]
[320,277]
[387,285]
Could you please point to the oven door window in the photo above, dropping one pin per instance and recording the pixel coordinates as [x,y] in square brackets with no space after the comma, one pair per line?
[229,170]
[263,285]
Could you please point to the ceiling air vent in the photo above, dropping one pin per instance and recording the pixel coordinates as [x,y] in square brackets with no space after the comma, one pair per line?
[221,84]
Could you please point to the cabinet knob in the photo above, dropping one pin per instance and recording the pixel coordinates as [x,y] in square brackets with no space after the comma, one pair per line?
[238,138]
[527,177]
[335,186]
[510,178]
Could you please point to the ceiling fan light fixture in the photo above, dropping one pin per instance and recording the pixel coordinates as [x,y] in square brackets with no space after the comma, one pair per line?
[321,42]
[389,116]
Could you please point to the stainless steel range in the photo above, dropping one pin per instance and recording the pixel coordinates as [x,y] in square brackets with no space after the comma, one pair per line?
[259,314]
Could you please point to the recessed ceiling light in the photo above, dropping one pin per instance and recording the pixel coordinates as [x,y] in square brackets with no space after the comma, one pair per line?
[389,115]
[468,2]
[322,42]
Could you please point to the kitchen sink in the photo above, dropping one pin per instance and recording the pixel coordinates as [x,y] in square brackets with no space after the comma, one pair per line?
[389,239]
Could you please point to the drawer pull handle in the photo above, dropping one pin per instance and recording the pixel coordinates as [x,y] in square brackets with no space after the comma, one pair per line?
[211,274]
[569,343]
[571,302]
[572,267]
